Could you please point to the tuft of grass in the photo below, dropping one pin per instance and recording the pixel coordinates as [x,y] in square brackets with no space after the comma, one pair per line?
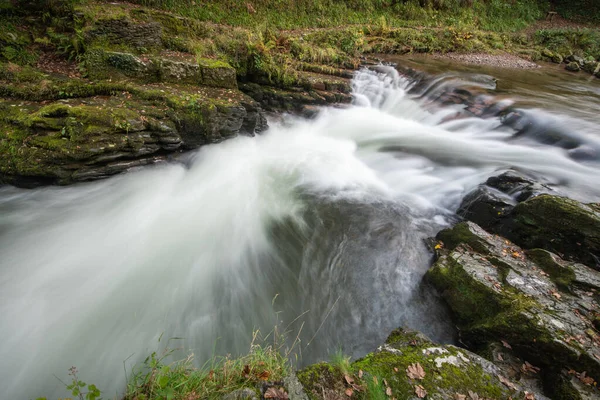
[340,361]
[157,379]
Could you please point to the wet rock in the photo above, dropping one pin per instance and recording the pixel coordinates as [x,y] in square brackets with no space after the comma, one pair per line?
[446,371]
[573,66]
[86,139]
[592,67]
[573,230]
[492,201]
[498,293]
[573,58]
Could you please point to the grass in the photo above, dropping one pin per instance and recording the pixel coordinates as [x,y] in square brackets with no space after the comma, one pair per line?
[221,375]
[481,14]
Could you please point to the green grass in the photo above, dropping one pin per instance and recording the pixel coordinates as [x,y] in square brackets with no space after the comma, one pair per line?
[497,15]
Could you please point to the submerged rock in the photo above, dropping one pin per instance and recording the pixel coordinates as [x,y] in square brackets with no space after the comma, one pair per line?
[536,303]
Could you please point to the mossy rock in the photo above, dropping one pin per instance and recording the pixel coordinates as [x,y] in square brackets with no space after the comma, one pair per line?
[573,230]
[84,139]
[448,371]
[498,292]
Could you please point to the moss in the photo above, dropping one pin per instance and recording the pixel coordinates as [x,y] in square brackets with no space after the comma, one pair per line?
[562,275]
[319,377]
[460,233]
[446,380]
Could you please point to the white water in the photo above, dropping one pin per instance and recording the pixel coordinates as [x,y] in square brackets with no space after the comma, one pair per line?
[322,219]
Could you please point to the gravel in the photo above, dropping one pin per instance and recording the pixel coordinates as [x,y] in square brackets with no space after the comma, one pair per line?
[495,60]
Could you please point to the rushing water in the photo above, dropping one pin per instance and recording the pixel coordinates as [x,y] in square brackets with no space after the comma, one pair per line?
[317,226]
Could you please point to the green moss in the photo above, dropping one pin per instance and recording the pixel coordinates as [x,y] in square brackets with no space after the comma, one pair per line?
[562,276]
[460,233]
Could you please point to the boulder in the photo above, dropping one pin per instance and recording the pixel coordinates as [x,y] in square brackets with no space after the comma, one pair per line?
[534,303]
[557,224]
[593,67]
[492,201]
[409,363]
[573,66]
[574,58]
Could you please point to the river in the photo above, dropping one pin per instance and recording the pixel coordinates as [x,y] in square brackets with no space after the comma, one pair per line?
[316,227]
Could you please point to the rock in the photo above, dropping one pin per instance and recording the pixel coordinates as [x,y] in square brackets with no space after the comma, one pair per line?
[91,138]
[573,58]
[241,394]
[492,201]
[103,64]
[573,66]
[499,293]
[573,230]
[557,58]
[124,31]
[446,371]
[294,388]
[592,67]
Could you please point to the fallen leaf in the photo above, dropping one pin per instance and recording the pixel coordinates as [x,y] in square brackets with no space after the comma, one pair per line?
[420,391]
[395,369]
[473,395]
[505,344]
[246,371]
[439,246]
[499,356]
[349,380]
[529,396]
[458,396]
[360,373]
[388,391]
[507,383]
[555,294]
[586,380]
[264,376]
[277,394]
[415,371]
[527,367]
[349,392]
[385,383]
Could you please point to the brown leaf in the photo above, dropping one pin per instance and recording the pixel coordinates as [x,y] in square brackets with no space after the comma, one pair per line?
[507,383]
[473,395]
[395,369]
[277,394]
[415,371]
[349,392]
[527,367]
[529,396]
[385,383]
[458,396]
[420,391]
[360,373]
[388,391]
[505,344]
[349,380]
[246,371]
[555,294]
[264,376]
[499,356]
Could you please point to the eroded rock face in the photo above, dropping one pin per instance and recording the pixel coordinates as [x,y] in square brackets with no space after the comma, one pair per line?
[537,303]
[85,139]
[443,372]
